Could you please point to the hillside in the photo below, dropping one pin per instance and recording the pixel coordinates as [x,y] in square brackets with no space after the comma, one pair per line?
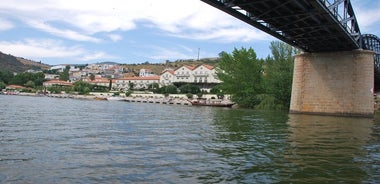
[17,64]
[158,68]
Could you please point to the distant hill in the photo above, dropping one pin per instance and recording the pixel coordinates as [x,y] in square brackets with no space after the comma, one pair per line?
[18,64]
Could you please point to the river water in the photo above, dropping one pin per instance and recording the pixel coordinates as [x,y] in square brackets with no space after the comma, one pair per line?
[52,140]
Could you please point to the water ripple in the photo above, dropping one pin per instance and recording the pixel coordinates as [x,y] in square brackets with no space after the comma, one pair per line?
[49,140]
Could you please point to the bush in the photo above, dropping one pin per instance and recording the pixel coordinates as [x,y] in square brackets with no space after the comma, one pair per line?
[189,96]
[190,88]
[128,93]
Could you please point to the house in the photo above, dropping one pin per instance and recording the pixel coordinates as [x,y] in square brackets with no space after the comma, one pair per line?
[189,74]
[98,80]
[203,75]
[56,82]
[51,76]
[146,73]
[124,84]
[184,74]
[58,68]
[167,77]
[15,89]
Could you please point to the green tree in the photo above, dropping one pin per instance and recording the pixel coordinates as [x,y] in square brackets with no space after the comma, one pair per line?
[23,78]
[190,88]
[279,75]
[65,76]
[170,89]
[128,93]
[2,85]
[131,85]
[30,84]
[82,87]
[242,76]
[92,77]
[154,87]
[6,76]
[39,79]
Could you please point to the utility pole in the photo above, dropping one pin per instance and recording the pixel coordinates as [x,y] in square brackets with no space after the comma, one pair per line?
[198,53]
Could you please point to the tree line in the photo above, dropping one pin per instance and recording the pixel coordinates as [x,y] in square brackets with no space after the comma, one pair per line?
[258,83]
[26,79]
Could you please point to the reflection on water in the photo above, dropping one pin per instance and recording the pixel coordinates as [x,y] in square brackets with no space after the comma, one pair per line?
[47,140]
[327,149]
[268,147]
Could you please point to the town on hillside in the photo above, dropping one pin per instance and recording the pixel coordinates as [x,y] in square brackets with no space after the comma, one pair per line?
[117,78]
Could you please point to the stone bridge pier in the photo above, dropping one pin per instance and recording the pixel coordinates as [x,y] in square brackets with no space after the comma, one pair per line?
[334,83]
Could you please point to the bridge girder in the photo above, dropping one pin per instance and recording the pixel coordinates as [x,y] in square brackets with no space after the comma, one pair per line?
[311,25]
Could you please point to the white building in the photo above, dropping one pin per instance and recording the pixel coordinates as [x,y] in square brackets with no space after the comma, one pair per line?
[56,82]
[167,77]
[184,74]
[202,75]
[188,74]
[51,76]
[146,73]
[59,68]
[124,84]
[205,74]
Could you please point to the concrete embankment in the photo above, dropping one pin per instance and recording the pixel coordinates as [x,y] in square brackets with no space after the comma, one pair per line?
[177,101]
[158,100]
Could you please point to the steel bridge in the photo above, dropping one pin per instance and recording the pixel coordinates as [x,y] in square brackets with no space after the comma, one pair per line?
[310,25]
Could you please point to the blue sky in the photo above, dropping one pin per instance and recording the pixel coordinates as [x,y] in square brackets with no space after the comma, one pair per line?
[125,31]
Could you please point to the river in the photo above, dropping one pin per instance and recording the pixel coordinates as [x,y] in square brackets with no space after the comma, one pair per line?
[53,140]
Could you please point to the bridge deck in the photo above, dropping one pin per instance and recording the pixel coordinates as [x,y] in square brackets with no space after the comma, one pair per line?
[307,24]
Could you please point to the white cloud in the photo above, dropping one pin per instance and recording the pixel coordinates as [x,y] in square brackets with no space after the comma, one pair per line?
[46,48]
[5,25]
[368,18]
[161,53]
[192,19]
[115,37]
[227,35]
[367,15]
[65,33]
[96,56]
[32,48]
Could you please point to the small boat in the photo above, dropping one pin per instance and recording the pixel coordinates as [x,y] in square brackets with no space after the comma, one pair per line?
[211,102]
[100,98]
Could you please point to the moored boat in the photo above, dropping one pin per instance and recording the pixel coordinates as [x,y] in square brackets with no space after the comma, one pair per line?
[211,102]
[100,98]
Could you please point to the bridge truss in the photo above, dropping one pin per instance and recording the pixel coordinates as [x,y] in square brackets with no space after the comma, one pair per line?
[311,25]
[372,42]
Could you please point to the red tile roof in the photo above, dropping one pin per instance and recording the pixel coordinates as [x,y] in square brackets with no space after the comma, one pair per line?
[59,82]
[15,87]
[141,78]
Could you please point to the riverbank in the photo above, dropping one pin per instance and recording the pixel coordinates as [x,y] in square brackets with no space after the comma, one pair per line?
[175,99]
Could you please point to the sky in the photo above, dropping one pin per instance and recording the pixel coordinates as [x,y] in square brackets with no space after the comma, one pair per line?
[129,31]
